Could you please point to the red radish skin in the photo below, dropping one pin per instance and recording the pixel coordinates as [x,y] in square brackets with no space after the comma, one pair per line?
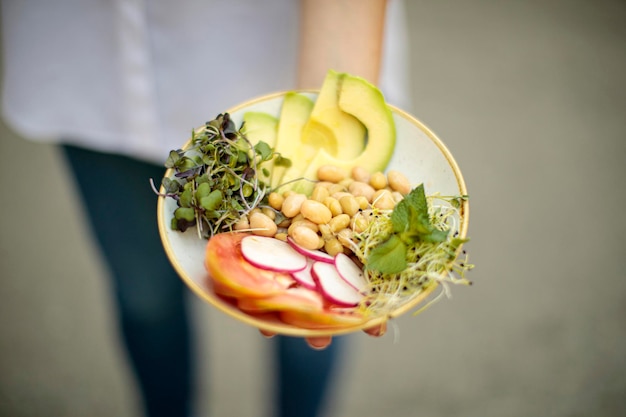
[272,254]
[304,277]
[314,254]
[333,286]
[350,272]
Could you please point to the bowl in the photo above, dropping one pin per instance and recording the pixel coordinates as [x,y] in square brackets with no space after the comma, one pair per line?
[419,154]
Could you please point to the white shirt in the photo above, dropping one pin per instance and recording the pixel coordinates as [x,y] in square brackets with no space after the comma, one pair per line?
[135,76]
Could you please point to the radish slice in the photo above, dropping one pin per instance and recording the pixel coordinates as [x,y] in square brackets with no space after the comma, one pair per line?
[333,287]
[315,254]
[304,276]
[350,272]
[273,254]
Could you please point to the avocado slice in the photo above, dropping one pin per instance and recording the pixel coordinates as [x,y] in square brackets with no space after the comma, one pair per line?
[340,133]
[259,126]
[365,102]
[294,114]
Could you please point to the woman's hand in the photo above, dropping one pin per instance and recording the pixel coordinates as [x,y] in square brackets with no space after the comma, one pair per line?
[322,342]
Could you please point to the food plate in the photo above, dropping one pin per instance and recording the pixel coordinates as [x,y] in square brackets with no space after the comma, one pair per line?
[419,154]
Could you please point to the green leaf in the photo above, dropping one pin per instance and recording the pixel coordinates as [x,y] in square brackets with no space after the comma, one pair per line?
[389,257]
[203,190]
[281,161]
[264,150]
[185,213]
[186,198]
[172,159]
[212,201]
[171,186]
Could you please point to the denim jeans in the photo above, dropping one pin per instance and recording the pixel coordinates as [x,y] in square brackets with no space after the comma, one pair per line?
[152,302]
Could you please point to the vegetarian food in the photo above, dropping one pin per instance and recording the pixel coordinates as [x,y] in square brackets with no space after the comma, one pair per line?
[302,220]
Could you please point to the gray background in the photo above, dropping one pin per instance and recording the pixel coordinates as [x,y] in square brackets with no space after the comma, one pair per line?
[530,97]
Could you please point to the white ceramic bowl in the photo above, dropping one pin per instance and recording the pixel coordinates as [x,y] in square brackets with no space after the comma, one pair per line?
[419,154]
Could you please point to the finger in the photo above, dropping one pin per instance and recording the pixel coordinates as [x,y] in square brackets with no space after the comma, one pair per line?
[377,331]
[267,333]
[319,342]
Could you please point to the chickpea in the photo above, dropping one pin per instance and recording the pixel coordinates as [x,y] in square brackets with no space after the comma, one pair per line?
[325,184]
[316,212]
[333,205]
[378,180]
[297,218]
[383,200]
[363,203]
[291,205]
[336,188]
[397,196]
[398,182]
[349,205]
[346,182]
[339,222]
[305,237]
[281,236]
[360,174]
[262,225]
[333,247]
[337,196]
[330,173]
[327,234]
[303,223]
[269,213]
[285,223]
[319,193]
[359,223]
[275,200]
[242,223]
[358,188]
[345,237]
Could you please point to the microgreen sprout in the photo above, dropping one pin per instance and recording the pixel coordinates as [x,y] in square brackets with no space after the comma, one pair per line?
[219,178]
[410,248]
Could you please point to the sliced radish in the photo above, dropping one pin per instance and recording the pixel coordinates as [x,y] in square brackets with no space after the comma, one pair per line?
[333,286]
[304,276]
[273,254]
[315,254]
[350,272]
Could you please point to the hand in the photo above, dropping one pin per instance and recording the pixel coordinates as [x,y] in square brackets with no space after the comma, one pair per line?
[322,342]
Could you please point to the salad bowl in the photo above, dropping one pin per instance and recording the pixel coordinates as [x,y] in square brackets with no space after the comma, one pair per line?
[419,154]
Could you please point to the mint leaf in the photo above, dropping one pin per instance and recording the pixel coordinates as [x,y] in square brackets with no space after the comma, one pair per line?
[400,216]
[389,257]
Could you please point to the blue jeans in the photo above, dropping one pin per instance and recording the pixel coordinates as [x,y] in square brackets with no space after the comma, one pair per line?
[152,302]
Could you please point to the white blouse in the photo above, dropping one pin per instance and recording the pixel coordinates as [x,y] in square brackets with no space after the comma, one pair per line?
[135,76]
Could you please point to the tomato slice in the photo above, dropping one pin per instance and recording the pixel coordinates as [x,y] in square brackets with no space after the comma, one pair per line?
[235,276]
[323,319]
[294,299]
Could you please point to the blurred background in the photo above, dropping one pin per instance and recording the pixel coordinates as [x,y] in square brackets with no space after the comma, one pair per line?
[530,97]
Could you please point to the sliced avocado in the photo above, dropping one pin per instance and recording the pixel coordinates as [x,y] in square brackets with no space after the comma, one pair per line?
[364,101]
[294,114]
[260,126]
[341,134]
